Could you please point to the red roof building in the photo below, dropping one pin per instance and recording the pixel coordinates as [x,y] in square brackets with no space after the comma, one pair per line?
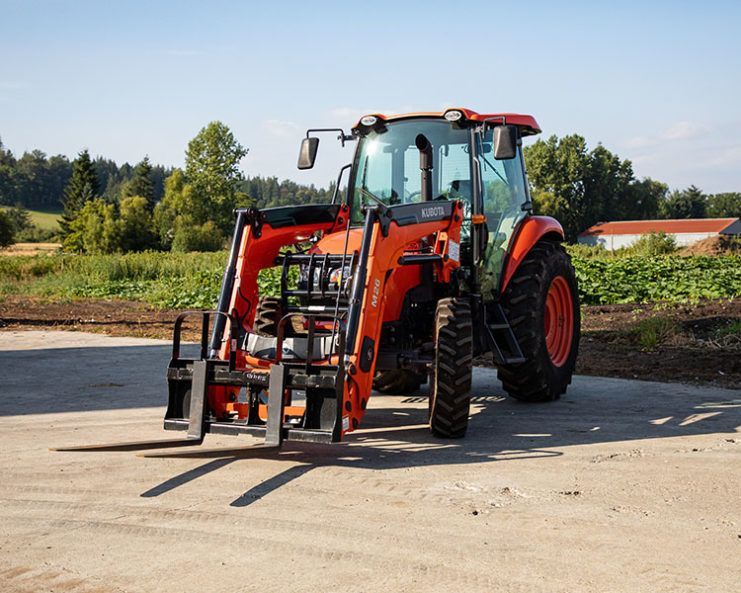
[619,234]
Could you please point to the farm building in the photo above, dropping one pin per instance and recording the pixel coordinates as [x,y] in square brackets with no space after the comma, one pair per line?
[623,233]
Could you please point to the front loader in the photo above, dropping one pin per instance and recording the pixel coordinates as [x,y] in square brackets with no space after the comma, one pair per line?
[432,256]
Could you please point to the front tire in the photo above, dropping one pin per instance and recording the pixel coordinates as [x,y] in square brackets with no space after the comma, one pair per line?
[452,369]
[267,316]
[541,303]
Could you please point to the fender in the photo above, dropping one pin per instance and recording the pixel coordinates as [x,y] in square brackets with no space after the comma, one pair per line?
[531,230]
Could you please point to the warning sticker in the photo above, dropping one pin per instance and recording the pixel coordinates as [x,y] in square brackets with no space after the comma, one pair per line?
[454,251]
[345,423]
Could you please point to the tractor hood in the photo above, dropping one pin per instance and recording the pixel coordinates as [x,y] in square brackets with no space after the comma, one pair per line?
[334,243]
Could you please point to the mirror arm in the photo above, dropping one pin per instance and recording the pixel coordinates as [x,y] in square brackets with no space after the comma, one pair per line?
[342,137]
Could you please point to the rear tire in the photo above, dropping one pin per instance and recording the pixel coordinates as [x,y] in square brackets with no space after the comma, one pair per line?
[541,302]
[451,377]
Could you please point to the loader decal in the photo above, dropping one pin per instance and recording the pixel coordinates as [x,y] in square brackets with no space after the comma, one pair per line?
[376,292]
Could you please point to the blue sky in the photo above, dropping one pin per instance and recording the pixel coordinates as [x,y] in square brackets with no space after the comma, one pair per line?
[656,82]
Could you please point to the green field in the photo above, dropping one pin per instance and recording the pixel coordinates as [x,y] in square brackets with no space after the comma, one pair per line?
[45,219]
[173,280]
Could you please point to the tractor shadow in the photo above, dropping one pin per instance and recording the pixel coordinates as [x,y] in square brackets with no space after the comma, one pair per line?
[395,434]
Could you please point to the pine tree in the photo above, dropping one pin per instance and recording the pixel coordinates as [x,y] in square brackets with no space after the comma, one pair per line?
[141,184]
[81,188]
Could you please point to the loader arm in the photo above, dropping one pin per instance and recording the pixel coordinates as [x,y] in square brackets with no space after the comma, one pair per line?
[321,395]
[387,232]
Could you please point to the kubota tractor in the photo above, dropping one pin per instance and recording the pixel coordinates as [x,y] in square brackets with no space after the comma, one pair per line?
[432,256]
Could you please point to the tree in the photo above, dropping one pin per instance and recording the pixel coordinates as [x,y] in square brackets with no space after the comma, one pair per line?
[726,205]
[19,219]
[141,183]
[137,230]
[97,228]
[212,168]
[558,170]
[181,219]
[688,203]
[7,235]
[581,187]
[82,187]
[8,193]
[644,199]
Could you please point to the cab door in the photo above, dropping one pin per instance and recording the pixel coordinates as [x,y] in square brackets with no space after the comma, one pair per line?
[504,202]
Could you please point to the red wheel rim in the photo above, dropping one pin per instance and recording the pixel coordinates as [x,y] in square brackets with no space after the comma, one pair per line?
[559,321]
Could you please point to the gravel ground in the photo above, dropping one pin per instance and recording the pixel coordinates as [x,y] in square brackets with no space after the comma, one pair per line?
[619,486]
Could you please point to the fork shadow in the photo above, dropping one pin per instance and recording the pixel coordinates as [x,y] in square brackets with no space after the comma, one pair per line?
[395,433]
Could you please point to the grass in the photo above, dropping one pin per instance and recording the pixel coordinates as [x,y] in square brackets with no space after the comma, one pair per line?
[166,280]
[652,332]
[47,220]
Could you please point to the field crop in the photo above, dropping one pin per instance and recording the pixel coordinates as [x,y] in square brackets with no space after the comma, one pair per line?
[669,278]
[192,280]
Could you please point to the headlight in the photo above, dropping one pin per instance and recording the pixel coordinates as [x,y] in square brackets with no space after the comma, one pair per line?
[340,276]
[335,278]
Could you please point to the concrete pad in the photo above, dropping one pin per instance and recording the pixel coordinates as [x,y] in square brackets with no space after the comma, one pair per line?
[619,486]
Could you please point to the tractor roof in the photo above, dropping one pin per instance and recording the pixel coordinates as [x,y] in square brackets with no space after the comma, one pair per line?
[527,124]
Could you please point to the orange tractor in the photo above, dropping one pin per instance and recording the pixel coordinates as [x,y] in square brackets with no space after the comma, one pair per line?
[431,257]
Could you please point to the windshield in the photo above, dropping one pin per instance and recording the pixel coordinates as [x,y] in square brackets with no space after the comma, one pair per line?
[387,164]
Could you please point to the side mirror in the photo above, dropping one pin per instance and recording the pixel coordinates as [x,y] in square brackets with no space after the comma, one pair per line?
[307,153]
[505,142]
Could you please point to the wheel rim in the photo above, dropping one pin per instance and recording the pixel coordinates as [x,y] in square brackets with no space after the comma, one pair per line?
[559,320]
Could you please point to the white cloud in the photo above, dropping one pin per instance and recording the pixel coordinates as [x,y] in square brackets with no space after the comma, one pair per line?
[684,130]
[681,130]
[639,142]
[280,128]
[723,158]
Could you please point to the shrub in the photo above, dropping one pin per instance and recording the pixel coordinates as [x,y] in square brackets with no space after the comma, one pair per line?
[652,244]
[194,237]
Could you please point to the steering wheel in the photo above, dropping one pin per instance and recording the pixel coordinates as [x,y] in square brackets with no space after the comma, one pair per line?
[411,196]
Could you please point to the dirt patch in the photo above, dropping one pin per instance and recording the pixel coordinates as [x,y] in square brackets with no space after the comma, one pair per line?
[679,343]
[115,318]
[30,249]
[719,245]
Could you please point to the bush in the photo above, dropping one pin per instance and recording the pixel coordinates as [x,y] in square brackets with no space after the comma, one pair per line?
[35,234]
[652,244]
[193,237]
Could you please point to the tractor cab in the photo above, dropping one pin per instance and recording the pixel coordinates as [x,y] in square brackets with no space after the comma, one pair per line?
[455,155]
